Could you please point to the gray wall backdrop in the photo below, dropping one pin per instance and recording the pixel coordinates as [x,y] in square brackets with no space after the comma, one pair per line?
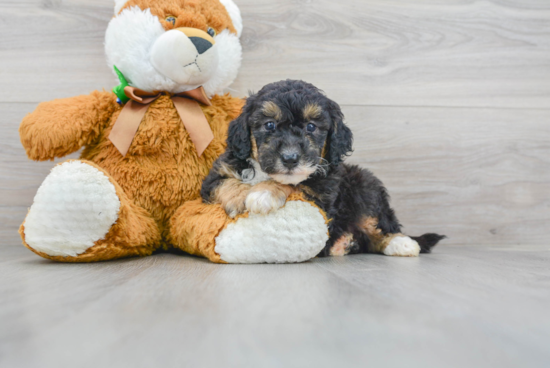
[449,100]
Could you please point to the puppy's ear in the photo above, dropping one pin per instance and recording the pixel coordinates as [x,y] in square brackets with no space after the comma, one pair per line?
[340,139]
[238,137]
[238,134]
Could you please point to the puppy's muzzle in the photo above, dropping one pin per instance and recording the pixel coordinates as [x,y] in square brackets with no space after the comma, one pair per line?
[290,160]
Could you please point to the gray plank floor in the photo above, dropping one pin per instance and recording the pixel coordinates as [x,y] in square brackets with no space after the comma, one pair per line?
[461,306]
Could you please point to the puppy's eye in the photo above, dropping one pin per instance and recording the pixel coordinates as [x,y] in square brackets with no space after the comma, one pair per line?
[211,32]
[311,127]
[171,19]
[270,126]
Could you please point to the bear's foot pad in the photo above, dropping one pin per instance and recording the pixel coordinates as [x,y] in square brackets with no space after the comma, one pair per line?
[294,233]
[75,206]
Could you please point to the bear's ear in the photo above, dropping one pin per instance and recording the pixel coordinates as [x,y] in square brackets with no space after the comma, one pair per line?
[234,14]
[119,4]
[340,139]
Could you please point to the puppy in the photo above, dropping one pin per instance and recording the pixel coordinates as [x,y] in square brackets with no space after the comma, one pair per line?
[291,137]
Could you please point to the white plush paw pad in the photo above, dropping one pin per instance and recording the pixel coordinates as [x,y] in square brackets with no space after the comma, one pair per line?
[402,246]
[295,233]
[263,202]
[74,207]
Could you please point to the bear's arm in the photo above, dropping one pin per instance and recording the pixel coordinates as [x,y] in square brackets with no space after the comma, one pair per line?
[60,127]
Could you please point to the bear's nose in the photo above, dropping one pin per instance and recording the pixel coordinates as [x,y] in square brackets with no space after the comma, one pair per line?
[200,44]
[200,39]
[290,160]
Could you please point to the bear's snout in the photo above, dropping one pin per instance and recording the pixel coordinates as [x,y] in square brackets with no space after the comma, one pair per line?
[185,55]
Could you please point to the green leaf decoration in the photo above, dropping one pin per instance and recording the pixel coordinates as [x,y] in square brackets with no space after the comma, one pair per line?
[119,90]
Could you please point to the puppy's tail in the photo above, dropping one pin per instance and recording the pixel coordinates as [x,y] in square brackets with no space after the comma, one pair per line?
[428,241]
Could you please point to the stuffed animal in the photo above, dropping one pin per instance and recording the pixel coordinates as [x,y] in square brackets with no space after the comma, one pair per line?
[296,232]
[148,144]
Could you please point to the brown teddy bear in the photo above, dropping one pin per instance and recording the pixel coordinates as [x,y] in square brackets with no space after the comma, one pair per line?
[148,145]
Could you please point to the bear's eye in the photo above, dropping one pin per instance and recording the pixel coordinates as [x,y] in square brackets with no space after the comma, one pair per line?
[270,126]
[211,32]
[311,127]
[171,19]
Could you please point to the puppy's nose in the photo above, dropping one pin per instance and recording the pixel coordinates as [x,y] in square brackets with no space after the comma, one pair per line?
[290,160]
[200,44]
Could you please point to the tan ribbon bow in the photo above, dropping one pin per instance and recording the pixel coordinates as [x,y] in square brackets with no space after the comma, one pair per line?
[186,104]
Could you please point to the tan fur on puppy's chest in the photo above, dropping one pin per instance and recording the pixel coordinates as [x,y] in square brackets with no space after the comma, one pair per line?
[161,170]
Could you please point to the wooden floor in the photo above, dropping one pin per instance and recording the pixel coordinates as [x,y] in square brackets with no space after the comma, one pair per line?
[449,101]
[462,306]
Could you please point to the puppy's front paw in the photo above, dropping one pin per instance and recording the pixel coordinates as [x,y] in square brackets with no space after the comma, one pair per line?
[234,207]
[265,201]
[402,246]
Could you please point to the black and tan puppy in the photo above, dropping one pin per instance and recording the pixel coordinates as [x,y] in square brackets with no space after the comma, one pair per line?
[290,137]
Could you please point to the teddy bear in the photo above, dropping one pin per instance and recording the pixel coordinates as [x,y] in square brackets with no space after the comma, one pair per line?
[149,144]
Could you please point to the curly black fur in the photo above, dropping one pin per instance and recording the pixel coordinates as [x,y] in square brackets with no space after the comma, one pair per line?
[347,193]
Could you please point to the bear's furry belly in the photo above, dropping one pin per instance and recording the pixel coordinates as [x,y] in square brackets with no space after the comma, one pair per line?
[161,170]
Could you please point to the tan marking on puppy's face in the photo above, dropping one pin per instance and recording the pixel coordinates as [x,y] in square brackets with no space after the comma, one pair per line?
[231,194]
[254,147]
[312,112]
[289,146]
[270,108]
[324,150]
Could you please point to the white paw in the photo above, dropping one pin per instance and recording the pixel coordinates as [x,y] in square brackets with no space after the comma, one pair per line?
[263,202]
[75,206]
[402,246]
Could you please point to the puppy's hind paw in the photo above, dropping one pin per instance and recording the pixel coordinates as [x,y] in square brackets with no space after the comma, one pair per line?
[265,201]
[402,246]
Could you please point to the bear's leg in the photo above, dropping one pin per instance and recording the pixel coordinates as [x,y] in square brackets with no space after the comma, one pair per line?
[80,214]
[294,233]
[194,227]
